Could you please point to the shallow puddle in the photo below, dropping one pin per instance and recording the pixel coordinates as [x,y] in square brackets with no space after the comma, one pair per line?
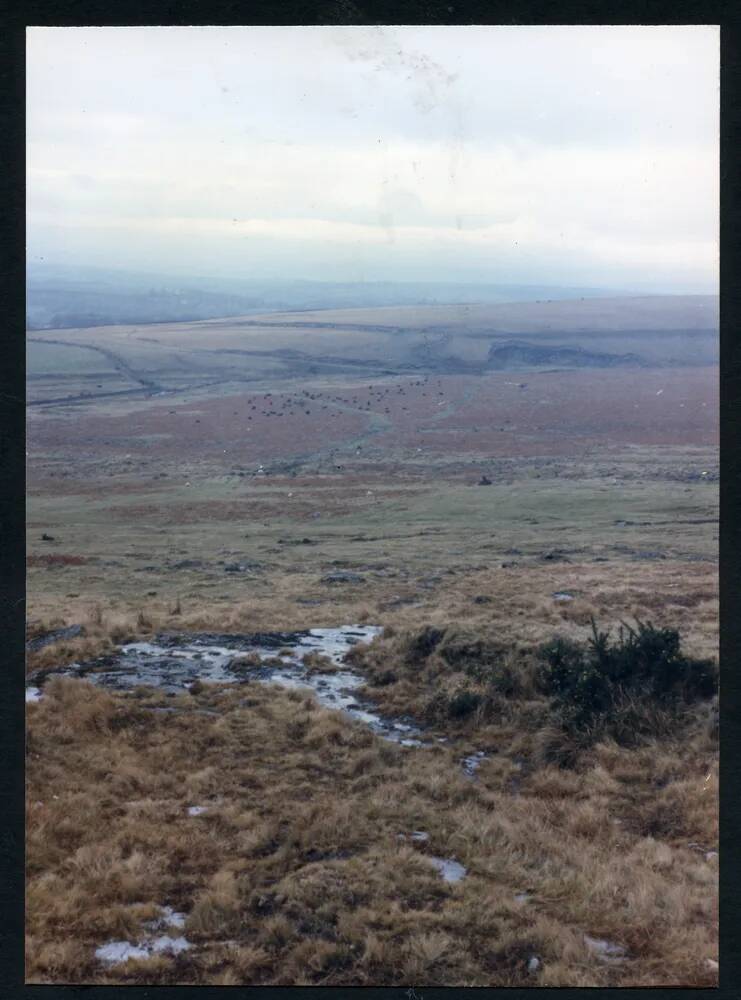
[175,661]
[451,871]
[118,952]
[472,763]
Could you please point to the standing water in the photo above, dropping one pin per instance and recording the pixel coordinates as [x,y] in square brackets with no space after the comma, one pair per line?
[175,661]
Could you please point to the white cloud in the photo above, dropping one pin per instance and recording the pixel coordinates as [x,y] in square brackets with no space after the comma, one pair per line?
[512,147]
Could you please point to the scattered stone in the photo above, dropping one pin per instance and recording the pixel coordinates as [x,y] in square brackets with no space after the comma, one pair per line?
[555,555]
[483,599]
[398,602]
[533,964]
[562,596]
[196,810]
[522,897]
[343,576]
[47,538]
[188,564]
[484,481]
[711,964]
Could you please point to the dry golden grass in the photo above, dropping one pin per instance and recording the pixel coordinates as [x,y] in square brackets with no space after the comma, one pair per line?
[522,609]
[296,874]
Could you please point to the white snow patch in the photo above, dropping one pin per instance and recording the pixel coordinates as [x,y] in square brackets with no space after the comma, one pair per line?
[33,694]
[196,810]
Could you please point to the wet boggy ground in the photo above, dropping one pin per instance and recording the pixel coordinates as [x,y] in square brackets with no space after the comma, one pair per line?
[174,661]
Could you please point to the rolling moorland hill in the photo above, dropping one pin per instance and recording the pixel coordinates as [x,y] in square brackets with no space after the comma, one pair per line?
[465,339]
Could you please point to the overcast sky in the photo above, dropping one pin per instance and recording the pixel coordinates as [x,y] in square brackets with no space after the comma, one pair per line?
[572,155]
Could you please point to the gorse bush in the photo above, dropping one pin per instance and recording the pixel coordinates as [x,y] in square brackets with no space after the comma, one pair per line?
[589,683]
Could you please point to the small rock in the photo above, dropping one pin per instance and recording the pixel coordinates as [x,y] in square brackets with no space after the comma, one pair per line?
[484,481]
[555,555]
[483,599]
[343,576]
[533,964]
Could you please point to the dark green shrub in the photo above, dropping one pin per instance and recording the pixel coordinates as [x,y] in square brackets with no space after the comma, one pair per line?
[589,683]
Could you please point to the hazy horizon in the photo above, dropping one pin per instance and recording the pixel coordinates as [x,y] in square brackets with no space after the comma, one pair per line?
[572,156]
